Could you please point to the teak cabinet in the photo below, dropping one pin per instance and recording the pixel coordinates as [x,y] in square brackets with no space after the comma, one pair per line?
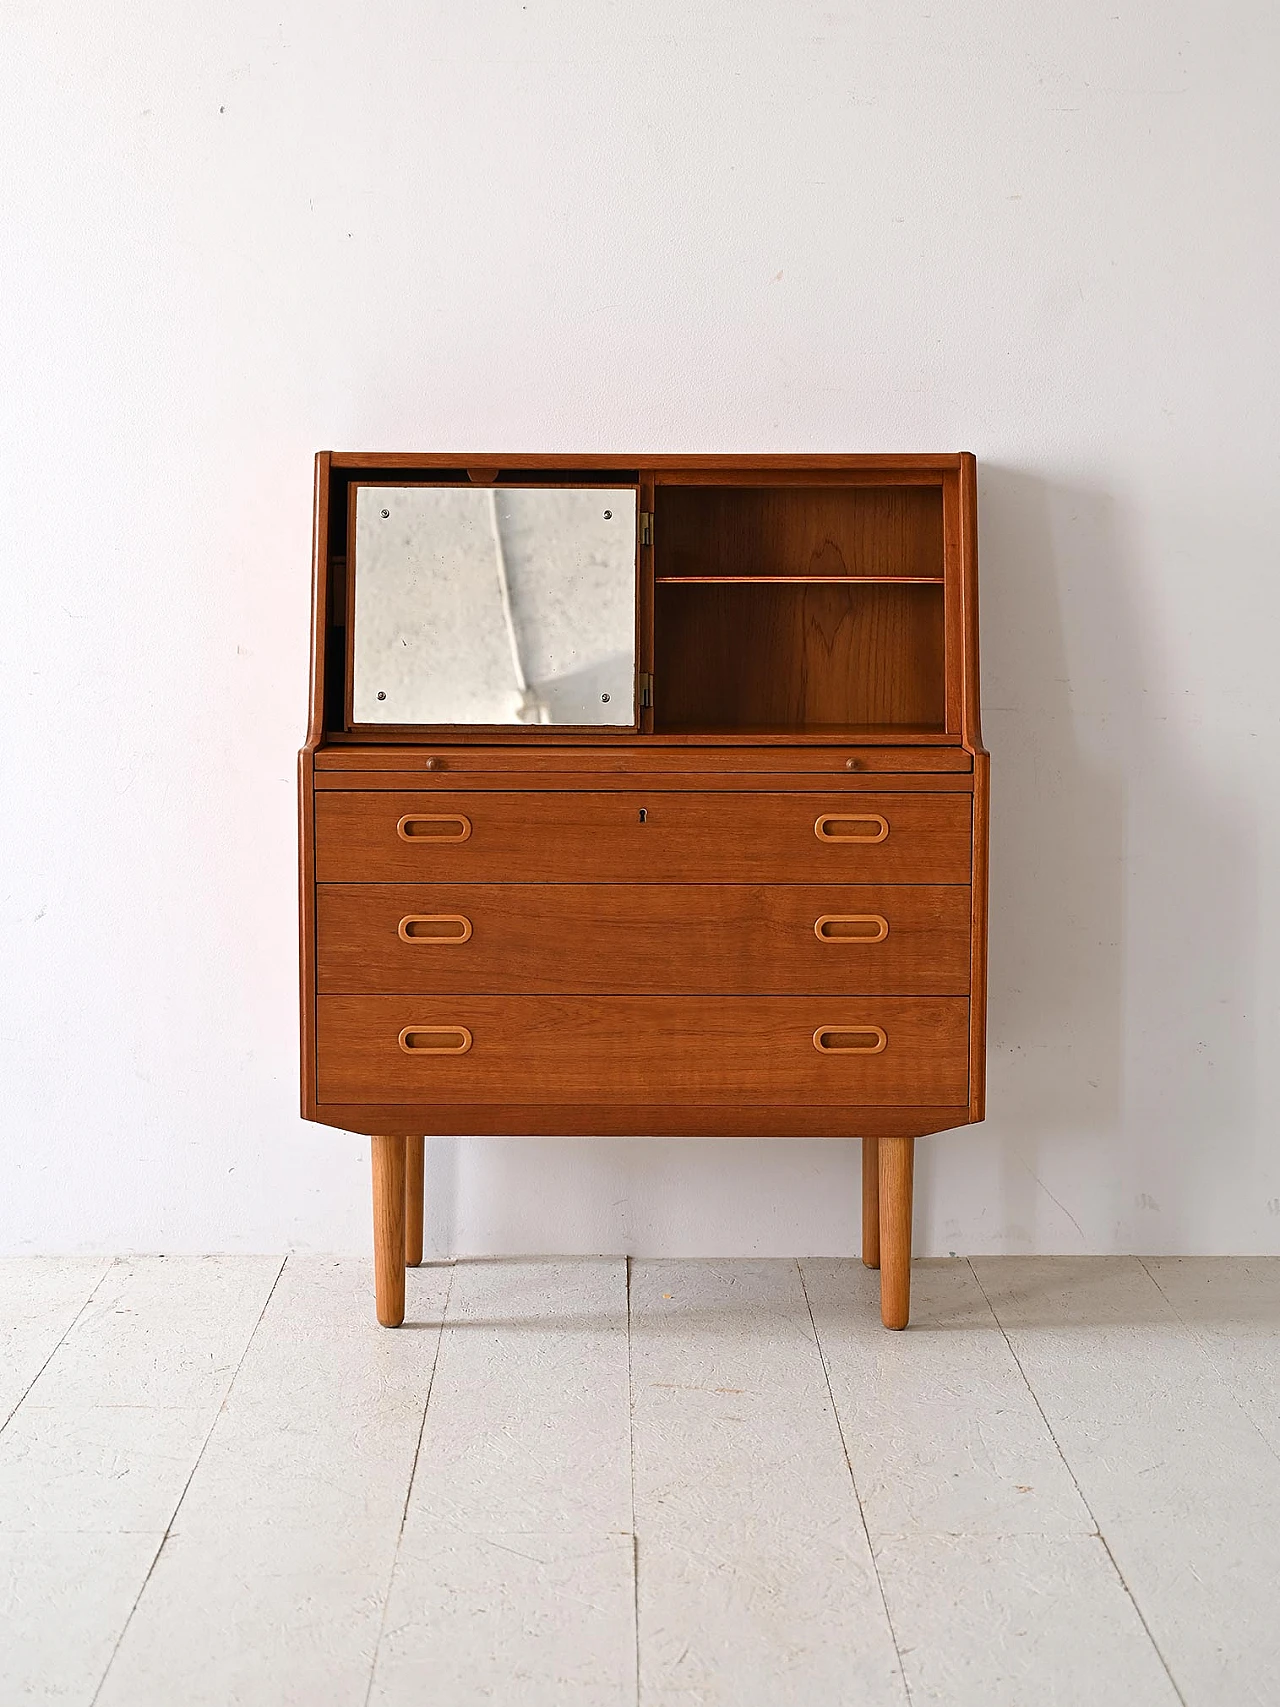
[644,796]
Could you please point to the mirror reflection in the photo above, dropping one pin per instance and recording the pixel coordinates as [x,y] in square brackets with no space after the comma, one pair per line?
[494,605]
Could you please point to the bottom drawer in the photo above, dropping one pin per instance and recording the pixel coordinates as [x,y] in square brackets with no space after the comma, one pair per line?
[643,1049]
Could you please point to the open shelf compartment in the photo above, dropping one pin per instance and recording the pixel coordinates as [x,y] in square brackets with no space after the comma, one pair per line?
[802,532]
[799,609]
[801,657]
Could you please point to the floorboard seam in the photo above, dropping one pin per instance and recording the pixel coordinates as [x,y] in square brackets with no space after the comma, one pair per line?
[631,1457]
[853,1482]
[1057,1445]
[204,1444]
[1223,1381]
[408,1492]
[107,1267]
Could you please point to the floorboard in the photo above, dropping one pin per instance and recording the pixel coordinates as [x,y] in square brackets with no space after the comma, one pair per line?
[280,1555]
[583,1483]
[95,1459]
[1184,1488]
[1018,1621]
[514,1578]
[944,1435]
[1232,1306]
[756,1582]
[40,1298]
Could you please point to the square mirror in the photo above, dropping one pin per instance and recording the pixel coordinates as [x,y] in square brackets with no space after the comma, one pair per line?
[493,605]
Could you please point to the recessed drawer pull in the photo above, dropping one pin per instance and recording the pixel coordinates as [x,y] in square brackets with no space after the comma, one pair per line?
[434,827]
[851,827]
[849,927]
[435,927]
[435,1040]
[849,1039]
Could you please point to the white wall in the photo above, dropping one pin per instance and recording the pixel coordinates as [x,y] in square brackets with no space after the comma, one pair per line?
[234,235]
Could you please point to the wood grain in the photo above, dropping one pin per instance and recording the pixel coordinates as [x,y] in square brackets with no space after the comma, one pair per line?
[871,1202]
[796,530]
[388,1155]
[952,500]
[639,759]
[695,782]
[319,599]
[601,1049]
[800,657]
[897,1162]
[551,837]
[641,939]
[414,1154]
[775,703]
[306,929]
[734,464]
[967,582]
[978,937]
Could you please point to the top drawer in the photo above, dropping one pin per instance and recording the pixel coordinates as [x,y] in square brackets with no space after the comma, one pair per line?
[641,837]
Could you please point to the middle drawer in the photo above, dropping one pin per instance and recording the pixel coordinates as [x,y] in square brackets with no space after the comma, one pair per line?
[642,939]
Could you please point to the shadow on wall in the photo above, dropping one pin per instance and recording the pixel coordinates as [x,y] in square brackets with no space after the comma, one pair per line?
[1123,885]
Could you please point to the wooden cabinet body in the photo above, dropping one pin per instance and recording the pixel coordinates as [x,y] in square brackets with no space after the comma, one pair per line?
[760,909]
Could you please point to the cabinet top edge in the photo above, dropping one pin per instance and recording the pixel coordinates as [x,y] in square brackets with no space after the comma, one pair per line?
[942,462]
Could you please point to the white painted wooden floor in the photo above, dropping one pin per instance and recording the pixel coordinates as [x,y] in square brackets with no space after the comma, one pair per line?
[696,1482]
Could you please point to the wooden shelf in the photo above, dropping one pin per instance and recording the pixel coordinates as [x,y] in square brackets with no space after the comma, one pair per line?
[826,734]
[798,580]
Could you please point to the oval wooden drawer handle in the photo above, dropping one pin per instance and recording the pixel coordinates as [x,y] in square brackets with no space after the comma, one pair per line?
[823,834]
[407,932]
[409,830]
[825,1032]
[878,933]
[411,1033]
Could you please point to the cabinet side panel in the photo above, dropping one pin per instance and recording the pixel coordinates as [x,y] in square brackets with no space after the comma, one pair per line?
[306,932]
[953,560]
[319,598]
[978,974]
[971,725]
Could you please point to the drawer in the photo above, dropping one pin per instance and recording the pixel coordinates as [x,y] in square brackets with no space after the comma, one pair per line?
[641,837]
[650,938]
[817,1050]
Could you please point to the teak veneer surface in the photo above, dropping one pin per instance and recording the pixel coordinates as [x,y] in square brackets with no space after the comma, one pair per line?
[630,757]
[634,909]
[907,782]
[642,939]
[724,838]
[735,1119]
[804,657]
[600,1049]
[752,530]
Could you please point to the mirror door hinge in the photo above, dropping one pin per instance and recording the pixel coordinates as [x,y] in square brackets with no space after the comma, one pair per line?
[646,692]
[646,527]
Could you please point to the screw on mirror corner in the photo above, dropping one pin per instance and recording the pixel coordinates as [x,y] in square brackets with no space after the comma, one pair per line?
[608,515]
[385,514]
[381,695]
[604,699]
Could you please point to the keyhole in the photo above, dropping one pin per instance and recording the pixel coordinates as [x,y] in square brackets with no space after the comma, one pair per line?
[644,814]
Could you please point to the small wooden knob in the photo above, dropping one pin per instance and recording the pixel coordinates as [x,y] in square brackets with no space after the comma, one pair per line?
[432,764]
[853,764]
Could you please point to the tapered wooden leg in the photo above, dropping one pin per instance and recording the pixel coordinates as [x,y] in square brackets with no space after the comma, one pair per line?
[871,1202]
[388,1228]
[413,1185]
[897,1163]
